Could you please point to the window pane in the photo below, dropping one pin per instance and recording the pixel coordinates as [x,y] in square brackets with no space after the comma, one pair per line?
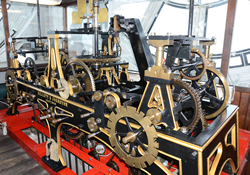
[171,20]
[23,23]
[216,27]
[235,61]
[241,35]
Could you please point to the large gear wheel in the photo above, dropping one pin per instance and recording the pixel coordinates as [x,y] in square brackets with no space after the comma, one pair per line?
[193,72]
[135,146]
[187,101]
[214,92]
[11,84]
[80,71]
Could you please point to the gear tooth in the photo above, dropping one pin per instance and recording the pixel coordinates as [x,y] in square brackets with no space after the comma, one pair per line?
[143,165]
[118,109]
[122,110]
[141,114]
[138,162]
[196,98]
[131,109]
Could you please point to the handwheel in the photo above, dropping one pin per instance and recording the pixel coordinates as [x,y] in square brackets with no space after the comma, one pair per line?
[81,74]
[188,68]
[214,92]
[29,64]
[128,141]
[187,101]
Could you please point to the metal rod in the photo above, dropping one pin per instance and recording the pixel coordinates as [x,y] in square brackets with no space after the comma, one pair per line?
[38,137]
[191,15]
[6,31]
[96,30]
[38,18]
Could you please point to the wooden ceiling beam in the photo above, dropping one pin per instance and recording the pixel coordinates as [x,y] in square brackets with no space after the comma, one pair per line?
[6,30]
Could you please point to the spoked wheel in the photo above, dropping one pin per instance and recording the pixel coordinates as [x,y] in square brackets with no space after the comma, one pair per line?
[30,65]
[214,92]
[129,143]
[11,84]
[188,68]
[81,75]
[187,101]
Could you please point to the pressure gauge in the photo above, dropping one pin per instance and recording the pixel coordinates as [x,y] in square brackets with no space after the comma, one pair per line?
[100,148]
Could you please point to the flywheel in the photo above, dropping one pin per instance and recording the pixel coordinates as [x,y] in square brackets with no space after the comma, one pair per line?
[11,84]
[80,71]
[214,92]
[133,137]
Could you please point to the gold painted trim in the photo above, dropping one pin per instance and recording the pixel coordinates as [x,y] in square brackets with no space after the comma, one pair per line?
[162,167]
[232,165]
[219,130]
[156,89]
[171,104]
[118,101]
[58,60]
[53,59]
[59,140]
[163,136]
[200,163]
[68,115]
[38,100]
[237,139]
[173,157]
[115,75]
[233,136]
[48,127]
[142,98]
[214,165]
[53,95]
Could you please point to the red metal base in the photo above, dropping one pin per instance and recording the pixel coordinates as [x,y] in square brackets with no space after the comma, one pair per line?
[17,123]
[23,120]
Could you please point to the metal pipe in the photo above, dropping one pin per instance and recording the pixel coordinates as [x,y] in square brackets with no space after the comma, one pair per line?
[191,15]
[38,18]
[96,30]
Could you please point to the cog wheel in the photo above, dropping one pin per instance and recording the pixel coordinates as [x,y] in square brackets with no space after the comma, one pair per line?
[188,68]
[80,71]
[214,92]
[187,104]
[11,84]
[130,143]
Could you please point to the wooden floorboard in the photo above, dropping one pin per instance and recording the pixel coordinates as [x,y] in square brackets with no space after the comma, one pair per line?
[14,160]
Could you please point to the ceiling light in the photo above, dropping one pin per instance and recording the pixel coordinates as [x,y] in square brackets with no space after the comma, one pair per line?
[42,2]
